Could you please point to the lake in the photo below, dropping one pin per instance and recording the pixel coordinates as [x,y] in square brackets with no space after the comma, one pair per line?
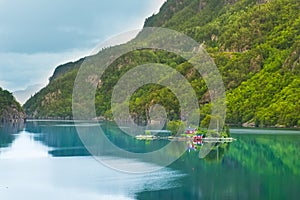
[48,160]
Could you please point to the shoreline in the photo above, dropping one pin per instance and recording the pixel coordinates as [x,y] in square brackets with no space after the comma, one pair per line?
[102,120]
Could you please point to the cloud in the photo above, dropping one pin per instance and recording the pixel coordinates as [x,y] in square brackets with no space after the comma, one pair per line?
[33,26]
[20,70]
[36,36]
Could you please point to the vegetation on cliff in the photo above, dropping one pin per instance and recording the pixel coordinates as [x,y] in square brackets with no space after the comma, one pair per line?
[10,109]
[254,43]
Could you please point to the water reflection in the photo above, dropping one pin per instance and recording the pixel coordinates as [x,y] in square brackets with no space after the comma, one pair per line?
[24,147]
[61,136]
[262,153]
[6,133]
[256,166]
[63,140]
[30,173]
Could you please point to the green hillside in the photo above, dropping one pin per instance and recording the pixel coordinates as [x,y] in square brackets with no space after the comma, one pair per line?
[254,43]
[10,109]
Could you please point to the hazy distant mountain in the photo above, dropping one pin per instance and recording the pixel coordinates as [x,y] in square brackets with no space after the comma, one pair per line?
[23,95]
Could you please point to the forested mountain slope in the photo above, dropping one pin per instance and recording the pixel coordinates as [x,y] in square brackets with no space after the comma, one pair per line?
[254,43]
[10,109]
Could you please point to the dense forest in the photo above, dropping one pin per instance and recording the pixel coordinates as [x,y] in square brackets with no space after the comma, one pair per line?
[10,109]
[254,43]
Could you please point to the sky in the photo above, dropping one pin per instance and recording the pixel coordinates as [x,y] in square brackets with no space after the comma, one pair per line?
[36,36]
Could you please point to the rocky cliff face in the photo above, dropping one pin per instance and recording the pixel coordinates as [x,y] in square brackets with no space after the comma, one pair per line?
[12,115]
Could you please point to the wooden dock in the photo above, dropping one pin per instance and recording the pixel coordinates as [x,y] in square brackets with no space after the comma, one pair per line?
[217,139]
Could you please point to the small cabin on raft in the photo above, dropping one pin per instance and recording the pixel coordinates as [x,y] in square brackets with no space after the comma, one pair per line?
[190,130]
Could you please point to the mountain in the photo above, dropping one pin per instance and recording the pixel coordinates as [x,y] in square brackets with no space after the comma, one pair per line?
[254,43]
[10,109]
[23,95]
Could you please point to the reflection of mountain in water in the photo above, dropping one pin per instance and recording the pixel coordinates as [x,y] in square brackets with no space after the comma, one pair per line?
[25,147]
[254,167]
[6,133]
[60,136]
[63,138]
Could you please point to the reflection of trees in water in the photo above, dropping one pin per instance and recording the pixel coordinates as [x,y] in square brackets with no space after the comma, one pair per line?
[63,138]
[60,136]
[129,143]
[268,154]
[253,167]
[217,153]
[55,134]
[6,132]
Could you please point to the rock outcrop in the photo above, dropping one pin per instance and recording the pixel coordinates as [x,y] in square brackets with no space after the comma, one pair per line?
[12,115]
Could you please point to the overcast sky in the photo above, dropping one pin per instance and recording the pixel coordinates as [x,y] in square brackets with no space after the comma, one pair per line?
[38,35]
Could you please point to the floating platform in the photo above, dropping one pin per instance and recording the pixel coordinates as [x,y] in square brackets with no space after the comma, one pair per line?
[216,139]
[173,138]
[146,137]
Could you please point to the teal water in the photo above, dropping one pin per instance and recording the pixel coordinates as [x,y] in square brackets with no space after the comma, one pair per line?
[47,160]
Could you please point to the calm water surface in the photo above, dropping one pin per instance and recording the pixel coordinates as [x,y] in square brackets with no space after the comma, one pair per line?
[47,160]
